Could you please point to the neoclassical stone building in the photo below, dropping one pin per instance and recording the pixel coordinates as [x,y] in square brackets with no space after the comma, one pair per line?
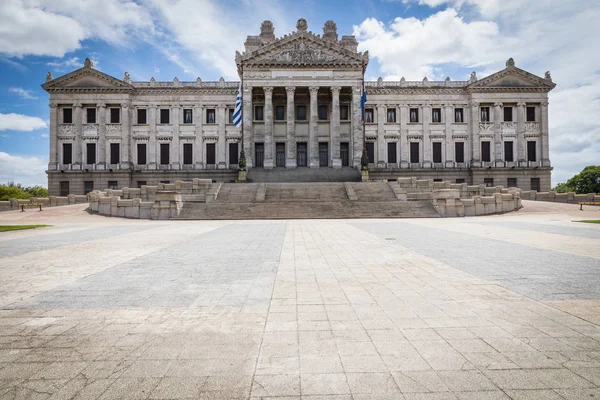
[301,102]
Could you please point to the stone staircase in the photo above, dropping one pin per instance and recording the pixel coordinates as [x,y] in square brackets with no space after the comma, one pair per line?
[307,200]
[303,174]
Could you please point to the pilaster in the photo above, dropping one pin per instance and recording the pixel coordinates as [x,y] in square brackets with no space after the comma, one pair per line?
[336,160]
[268,116]
[521,134]
[449,153]
[248,128]
[404,161]
[313,145]
[474,142]
[53,137]
[381,119]
[498,118]
[426,139]
[357,128]
[290,146]
[221,155]
[544,132]
[199,143]
[174,150]
[104,149]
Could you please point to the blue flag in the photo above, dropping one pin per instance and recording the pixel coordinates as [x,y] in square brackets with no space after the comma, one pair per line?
[363,101]
[237,112]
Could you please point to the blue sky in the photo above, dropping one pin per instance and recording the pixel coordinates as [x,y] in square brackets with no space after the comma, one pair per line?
[190,38]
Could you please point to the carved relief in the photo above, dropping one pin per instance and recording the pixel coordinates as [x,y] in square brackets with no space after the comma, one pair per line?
[67,129]
[113,129]
[532,126]
[301,52]
[302,25]
[90,129]
[486,128]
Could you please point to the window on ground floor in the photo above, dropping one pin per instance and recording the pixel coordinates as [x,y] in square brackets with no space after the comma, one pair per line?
[535,184]
[141,153]
[88,186]
[64,188]
[459,152]
[392,153]
[531,150]
[233,154]
[414,152]
[164,153]
[489,182]
[511,182]
[508,151]
[188,153]
[460,180]
[437,152]
[485,152]
[371,152]
[113,185]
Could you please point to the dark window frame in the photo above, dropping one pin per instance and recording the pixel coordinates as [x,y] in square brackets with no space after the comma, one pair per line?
[211,116]
[391,112]
[278,116]
[508,114]
[115,115]
[437,111]
[392,152]
[142,155]
[67,156]
[91,115]
[186,112]
[211,156]
[165,115]
[369,115]
[530,114]
[323,116]
[90,149]
[165,154]
[487,114]
[436,152]
[142,112]
[259,112]
[188,154]
[459,115]
[115,153]
[511,182]
[486,151]
[114,185]
[88,186]
[509,153]
[299,114]
[459,150]
[233,153]
[347,112]
[67,111]
[415,156]
[370,146]
[531,150]
[413,115]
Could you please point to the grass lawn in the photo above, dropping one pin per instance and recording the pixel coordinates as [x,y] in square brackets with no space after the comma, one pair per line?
[6,228]
[591,221]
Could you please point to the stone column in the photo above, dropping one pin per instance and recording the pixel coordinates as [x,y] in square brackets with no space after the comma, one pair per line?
[336,161]
[522,161]
[53,137]
[152,149]
[404,146]
[474,142]
[449,158]
[497,150]
[221,154]
[313,134]
[126,137]
[426,139]
[381,119]
[357,128]
[199,142]
[290,146]
[545,150]
[268,116]
[175,150]
[78,146]
[104,147]
[248,131]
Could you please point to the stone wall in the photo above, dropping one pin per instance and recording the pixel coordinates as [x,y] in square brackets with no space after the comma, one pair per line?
[52,201]
[571,197]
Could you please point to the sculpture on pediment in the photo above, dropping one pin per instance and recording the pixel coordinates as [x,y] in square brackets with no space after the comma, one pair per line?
[221,82]
[330,31]
[510,62]
[152,81]
[88,63]
[301,52]
[267,31]
[175,82]
[49,77]
[379,81]
[126,77]
[473,77]
[198,81]
[547,76]
[302,25]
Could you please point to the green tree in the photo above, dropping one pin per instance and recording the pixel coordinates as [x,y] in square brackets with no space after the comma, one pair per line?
[587,181]
[16,191]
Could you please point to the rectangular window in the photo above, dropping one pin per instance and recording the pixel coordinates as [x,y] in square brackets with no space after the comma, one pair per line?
[531,150]
[141,153]
[280,154]
[323,113]
[259,113]
[91,115]
[437,152]
[164,153]
[392,156]
[211,158]
[211,116]
[459,180]
[508,151]
[535,184]
[67,153]
[508,114]
[114,185]
[64,188]
[141,116]
[345,154]
[414,152]
[88,186]
[459,116]
[371,152]
[90,153]
[164,116]
[233,154]
[279,113]
[485,152]
[530,114]
[115,153]
[485,114]
[167,182]
[259,155]
[414,115]
[391,115]
[511,182]
[488,182]
[188,154]
[141,183]
[344,114]
[369,116]
[436,115]
[67,115]
[459,152]
[115,115]
[230,113]
[301,113]
[188,116]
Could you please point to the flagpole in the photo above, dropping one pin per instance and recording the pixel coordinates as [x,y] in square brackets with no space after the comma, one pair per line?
[242,162]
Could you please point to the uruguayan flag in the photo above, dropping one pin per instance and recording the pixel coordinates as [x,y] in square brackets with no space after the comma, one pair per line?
[237,113]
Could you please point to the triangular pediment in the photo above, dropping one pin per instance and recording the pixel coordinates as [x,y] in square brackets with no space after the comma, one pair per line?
[303,49]
[86,78]
[512,78]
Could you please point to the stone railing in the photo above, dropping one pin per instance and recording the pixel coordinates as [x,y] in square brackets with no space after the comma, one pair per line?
[570,198]
[163,201]
[52,201]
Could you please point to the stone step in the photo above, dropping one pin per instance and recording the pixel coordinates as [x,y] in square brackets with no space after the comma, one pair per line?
[303,174]
[373,191]
[237,193]
[305,192]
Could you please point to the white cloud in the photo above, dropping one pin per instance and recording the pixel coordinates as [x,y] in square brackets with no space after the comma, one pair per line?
[62,65]
[19,122]
[26,94]
[26,170]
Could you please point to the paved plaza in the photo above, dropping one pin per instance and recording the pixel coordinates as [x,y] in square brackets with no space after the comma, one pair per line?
[498,307]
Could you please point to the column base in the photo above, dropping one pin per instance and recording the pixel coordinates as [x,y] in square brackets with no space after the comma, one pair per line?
[269,164]
[449,164]
[336,163]
[427,164]
[290,163]
[381,165]
[222,165]
[314,164]
[404,164]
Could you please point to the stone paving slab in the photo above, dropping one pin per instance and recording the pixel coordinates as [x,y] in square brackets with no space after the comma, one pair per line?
[297,310]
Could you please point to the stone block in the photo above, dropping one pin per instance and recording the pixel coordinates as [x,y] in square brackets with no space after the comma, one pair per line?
[469,207]
[446,194]
[5,205]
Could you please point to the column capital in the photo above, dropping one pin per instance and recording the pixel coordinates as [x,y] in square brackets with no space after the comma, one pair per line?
[475,104]
[335,90]
[77,105]
[521,104]
[101,105]
[449,105]
[544,104]
[53,104]
[268,89]
[313,90]
[221,106]
[290,89]
[126,104]
[403,106]
[498,104]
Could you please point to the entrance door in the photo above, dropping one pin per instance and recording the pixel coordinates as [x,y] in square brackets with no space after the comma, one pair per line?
[323,154]
[210,154]
[280,154]
[259,152]
[301,159]
[345,154]
[64,188]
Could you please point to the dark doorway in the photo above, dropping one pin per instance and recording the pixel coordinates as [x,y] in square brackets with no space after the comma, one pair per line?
[259,153]
[280,154]
[323,154]
[301,158]
[345,154]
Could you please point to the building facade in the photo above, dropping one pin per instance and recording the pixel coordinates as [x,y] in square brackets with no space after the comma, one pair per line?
[301,108]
